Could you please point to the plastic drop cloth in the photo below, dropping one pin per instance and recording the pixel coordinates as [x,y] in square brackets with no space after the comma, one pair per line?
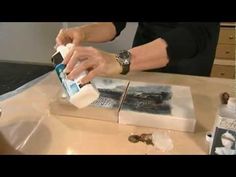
[26,127]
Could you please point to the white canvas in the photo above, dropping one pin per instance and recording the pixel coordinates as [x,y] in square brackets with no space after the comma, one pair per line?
[158,106]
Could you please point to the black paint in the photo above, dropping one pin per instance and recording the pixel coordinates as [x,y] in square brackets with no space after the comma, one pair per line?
[150,99]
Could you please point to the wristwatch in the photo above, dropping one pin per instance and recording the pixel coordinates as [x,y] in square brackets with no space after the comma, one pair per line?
[124,58]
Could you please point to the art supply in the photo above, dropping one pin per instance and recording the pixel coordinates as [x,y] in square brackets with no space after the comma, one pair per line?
[224,131]
[79,95]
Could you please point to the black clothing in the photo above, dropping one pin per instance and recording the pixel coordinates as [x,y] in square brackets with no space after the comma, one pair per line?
[191,46]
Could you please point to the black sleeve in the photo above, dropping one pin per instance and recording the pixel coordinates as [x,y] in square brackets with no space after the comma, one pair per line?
[188,39]
[119,27]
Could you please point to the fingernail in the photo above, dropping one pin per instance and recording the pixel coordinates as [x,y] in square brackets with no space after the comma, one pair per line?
[81,82]
[57,45]
[65,71]
[69,77]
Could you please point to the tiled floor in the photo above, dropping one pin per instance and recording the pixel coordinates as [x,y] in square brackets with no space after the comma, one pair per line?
[14,75]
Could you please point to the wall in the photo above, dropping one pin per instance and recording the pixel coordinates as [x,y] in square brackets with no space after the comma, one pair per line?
[33,42]
[27,42]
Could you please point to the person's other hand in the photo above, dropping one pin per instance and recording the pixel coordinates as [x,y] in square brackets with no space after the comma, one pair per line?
[69,35]
[95,61]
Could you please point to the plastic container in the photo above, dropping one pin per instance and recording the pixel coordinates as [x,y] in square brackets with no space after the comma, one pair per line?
[79,95]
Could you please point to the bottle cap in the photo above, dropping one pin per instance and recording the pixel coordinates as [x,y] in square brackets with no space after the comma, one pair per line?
[63,50]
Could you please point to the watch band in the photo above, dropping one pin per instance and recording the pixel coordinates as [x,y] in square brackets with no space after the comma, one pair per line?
[125,69]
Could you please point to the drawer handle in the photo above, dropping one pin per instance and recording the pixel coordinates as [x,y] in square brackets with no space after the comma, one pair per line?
[231,37]
[227,52]
[222,74]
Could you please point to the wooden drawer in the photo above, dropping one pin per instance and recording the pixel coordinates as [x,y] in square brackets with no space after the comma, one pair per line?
[227,36]
[223,71]
[225,51]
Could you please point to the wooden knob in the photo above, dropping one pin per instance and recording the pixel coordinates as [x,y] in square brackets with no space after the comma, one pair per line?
[222,74]
[225,97]
[227,52]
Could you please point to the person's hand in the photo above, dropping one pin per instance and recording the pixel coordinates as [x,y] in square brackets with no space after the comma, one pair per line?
[95,61]
[70,35]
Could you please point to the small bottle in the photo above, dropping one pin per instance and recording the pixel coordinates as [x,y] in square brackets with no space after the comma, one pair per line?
[79,95]
[229,109]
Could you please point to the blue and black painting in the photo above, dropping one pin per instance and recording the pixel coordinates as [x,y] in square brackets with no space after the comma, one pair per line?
[154,99]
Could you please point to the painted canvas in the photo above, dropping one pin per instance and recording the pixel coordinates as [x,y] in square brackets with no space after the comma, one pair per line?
[158,106]
[106,107]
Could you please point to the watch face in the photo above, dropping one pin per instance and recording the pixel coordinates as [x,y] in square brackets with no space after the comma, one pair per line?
[124,54]
[124,57]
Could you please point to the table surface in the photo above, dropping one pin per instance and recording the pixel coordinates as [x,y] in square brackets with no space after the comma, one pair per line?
[67,135]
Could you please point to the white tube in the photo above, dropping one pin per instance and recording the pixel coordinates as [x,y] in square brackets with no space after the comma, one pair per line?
[79,96]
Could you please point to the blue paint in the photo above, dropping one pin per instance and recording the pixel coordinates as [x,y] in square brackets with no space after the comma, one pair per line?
[70,86]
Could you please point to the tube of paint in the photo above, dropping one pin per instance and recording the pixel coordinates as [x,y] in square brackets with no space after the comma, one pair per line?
[79,95]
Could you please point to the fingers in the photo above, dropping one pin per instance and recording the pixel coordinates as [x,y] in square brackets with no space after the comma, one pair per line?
[63,37]
[68,56]
[59,38]
[80,59]
[83,66]
[74,56]
[77,38]
[89,76]
[70,35]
